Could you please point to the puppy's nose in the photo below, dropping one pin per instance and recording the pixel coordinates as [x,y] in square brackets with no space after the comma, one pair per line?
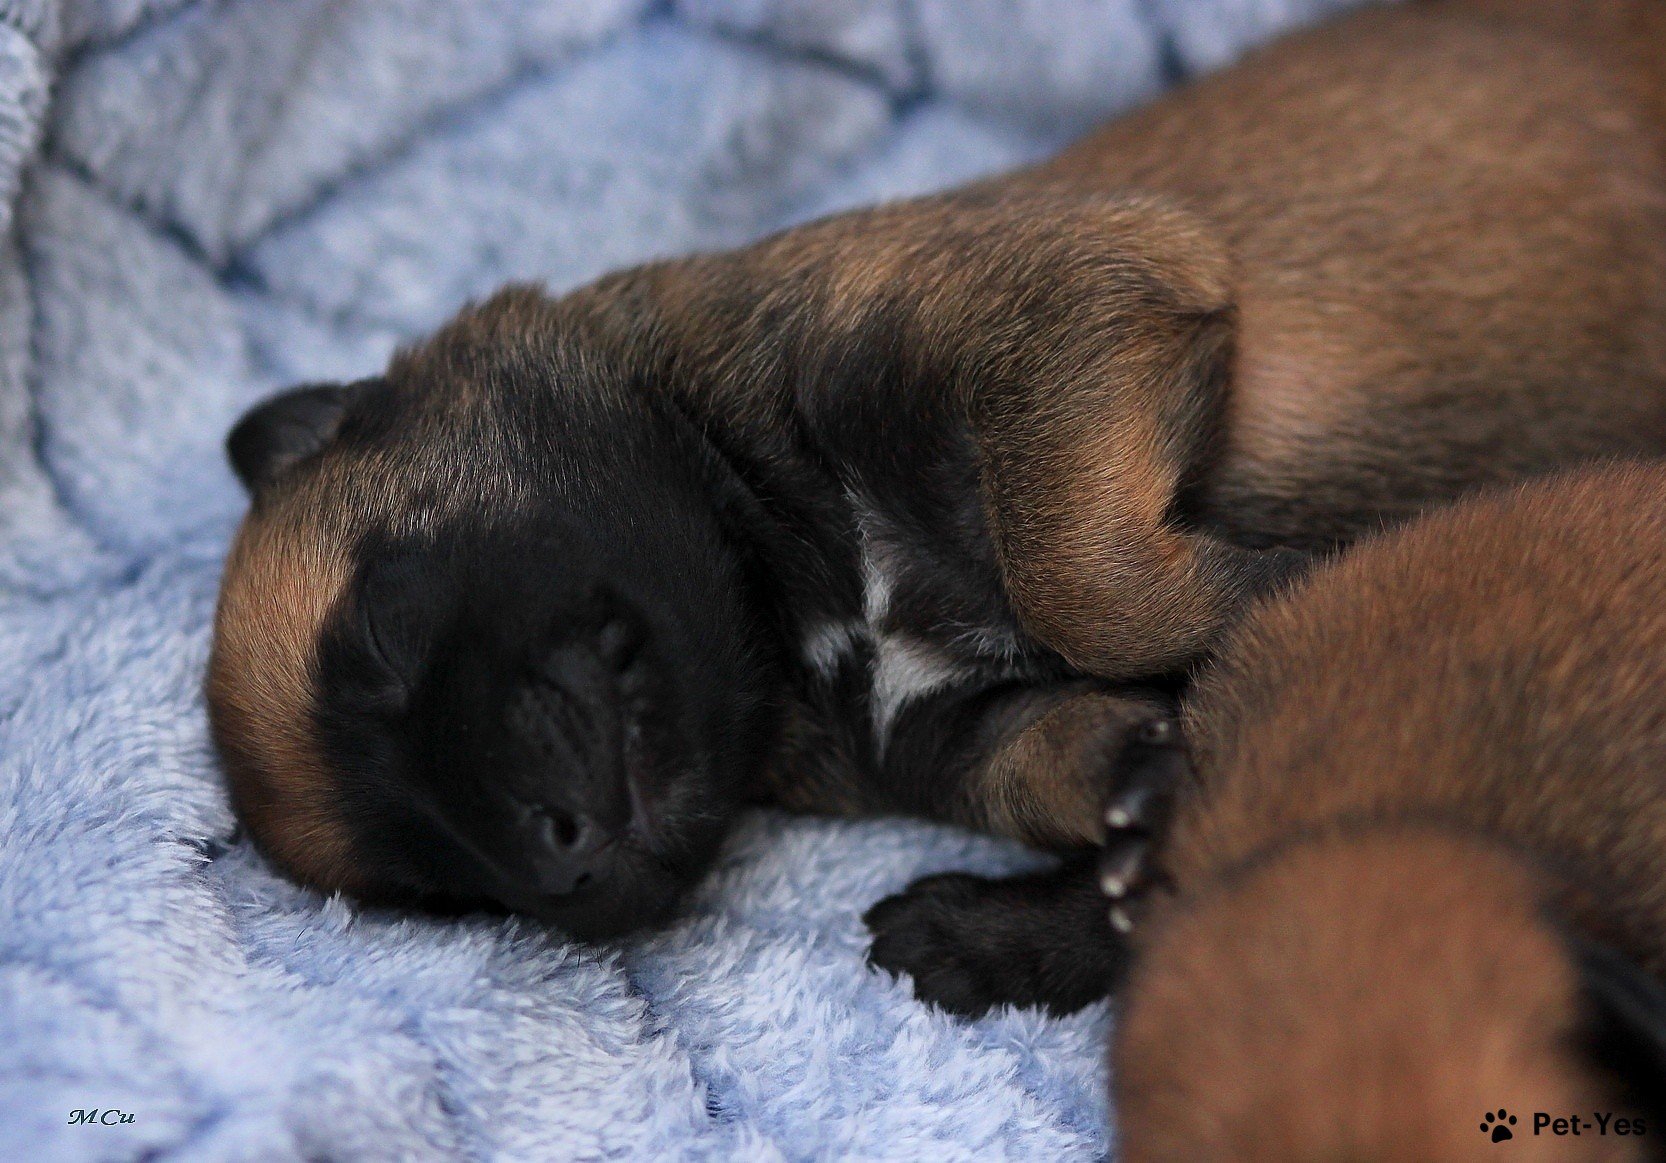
[559,847]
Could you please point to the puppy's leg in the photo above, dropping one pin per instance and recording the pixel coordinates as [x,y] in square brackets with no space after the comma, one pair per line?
[1033,762]
[1037,764]
[971,943]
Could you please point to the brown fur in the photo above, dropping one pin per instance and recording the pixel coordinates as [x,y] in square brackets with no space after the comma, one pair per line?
[1426,246]
[1037,767]
[1386,204]
[1412,771]
[1503,661]
[1419,250]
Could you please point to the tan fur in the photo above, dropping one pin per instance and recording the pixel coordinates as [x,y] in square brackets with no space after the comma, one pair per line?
[281,584]
[1502,661]
[1045,784]
[1411,770]
[1390,187]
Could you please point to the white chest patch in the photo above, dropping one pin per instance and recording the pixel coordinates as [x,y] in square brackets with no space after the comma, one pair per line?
[904,667]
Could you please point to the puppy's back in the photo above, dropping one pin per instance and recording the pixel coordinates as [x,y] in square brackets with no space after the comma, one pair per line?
[1502,662]
[1373,996]
[1428,843]
[1448,224]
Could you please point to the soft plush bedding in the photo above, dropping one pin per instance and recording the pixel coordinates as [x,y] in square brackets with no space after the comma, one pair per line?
[204,200]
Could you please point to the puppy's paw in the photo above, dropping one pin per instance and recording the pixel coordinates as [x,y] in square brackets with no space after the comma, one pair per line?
[1047,783]
[971,943]
[1151,767]
[932,932]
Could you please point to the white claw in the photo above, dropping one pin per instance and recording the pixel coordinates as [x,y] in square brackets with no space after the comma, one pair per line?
[1119,818]
[1159,732]
[1121,921]
[1113,886]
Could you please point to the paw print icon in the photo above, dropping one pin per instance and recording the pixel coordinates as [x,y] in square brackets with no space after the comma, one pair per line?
[1498,1125]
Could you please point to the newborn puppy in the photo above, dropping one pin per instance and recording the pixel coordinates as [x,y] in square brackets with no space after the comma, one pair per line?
[1422,871]
[926,508]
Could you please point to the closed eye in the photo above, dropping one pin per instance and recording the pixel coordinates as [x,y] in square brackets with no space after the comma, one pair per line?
[397,678]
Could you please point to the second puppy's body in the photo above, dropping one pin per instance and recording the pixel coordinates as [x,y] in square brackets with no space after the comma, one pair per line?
[1422,872]
[1422,267]
[864,517]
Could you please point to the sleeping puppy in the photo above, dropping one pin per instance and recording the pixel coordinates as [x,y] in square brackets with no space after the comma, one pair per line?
[926,508]
[1421,873]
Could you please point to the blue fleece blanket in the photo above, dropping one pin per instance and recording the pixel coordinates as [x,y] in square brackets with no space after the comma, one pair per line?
[204,200]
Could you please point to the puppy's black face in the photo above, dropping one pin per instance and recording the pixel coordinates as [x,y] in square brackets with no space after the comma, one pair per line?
[518,714]
[535,676]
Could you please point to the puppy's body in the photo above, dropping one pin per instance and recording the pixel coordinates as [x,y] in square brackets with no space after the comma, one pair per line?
[1427,835]
[947,466]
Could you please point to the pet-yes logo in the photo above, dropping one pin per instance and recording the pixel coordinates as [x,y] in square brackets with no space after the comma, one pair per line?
[1500,1126]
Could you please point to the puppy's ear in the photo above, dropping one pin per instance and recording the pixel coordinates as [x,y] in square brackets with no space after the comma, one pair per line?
[1627,1023]
[285,429]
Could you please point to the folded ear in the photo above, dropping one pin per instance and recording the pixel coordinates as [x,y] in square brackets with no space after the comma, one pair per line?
[1627,1009]
[284,430]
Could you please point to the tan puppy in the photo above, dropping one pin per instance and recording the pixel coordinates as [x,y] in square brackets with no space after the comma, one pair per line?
[1422,871]
[864,517]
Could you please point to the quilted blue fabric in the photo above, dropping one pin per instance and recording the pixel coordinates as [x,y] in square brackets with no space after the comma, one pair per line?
[204,200]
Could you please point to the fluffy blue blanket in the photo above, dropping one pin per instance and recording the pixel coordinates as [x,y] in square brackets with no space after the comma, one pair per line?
[204,200]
